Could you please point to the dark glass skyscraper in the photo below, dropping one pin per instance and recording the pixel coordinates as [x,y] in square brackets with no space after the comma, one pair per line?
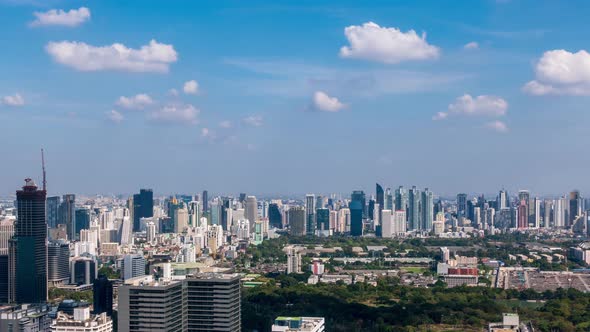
[103,296]
[143,207]
[359,195]
[275,219]
[67,215]
[82,222]
[356,218]
[28,248]
[323,219]
[380,195]
[205,201]
[53,211]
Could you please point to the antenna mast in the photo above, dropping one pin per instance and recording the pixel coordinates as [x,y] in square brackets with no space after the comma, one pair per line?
[43,166]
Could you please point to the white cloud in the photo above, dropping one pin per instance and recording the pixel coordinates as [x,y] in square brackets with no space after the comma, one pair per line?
[71,18]
[323,102]
[115,116]
[386,45]
[173,92]
[253,120]
[440,116]
[205,132]
[561,72]
[471,46]
[15,100]
[138,102]
[181,114]
[498,126]
[225,124]
[154,57]
[191,87]
[480,105]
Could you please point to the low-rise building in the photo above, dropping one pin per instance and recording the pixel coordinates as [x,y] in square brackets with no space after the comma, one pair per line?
[298,324]
[82,321]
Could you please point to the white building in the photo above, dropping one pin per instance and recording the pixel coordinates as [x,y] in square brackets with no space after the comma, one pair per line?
[82,322]
[298,324]
[293,259]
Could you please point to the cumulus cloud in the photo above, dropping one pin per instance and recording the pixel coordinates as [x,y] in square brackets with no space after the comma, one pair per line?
[225,124]
[386,45]
[498,126]
[322,102]
[480,105]
[71,18]
[191,87]
[138,102]
[440,116]
[561,72]
[471,46]
[115,116]
[154,57]
[15,100]
[176,114]
[253,120]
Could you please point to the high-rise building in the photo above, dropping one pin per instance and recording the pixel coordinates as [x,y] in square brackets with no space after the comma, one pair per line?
[379,196]
[180,218]
[102,292]
[82,222]
[53,211]
[133,266]
[388,200]
[559,212]
[523,221]
[205,199]
[213,302]
[296,217]
[143,207]
[310,208]
[152,306]
[414,218]
[25,318]
[356,217]
[323,220]
[462,204]
[28,248]
[4,293]
[401,198]
[81,321]
[427,210]
[67,215]
[502,200]
[58,262]
[275,219]
[251,211]
[293,259]
[83,271]
[359,196]
[387,229]
[6,233]
[575,206]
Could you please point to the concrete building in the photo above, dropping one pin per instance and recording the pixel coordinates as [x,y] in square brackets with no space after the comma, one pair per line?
[298,324]
[293,259]
[82,321]
[25,318]
[133,266]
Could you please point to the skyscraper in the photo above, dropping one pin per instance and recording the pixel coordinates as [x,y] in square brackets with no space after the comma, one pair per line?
[82,222]
[323,220]
[67,215]
[205,199]
[388,200]
[102,291]
[310,208]
[401,199]
[523,220]
[379,196]
[427,210]
[58,262]
[143,207]
[53,211]
[213,302]
[414,209]
[356,217]
[359,196]
[502,200]
[251,211]
[28,248]
[275,218]
[296,217]
[575,206]
[461,205]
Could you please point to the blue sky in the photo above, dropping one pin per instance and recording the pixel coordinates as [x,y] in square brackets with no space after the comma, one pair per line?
[295,96]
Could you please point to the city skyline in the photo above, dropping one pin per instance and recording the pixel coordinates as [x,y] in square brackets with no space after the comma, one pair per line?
[215,102]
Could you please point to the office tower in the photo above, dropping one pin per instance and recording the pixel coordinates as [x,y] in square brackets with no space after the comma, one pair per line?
[195,213]
[293,259]
[323,220]
[180,218]
[152,306]
[213,302]
[559,212]
[536,211]
[102,292]
[251,211]
[298,324]
[462,205]
[133,266]
[310,224]
[414,218]
[356,218]
[371,209]
[67,215]
[82,222]
[275,219]
[524,195]
[82,271]
[547,213]
[502,200]
[387,229]
[439,208]
[401,199]
[343,223]
[575,206]
[359,196]
[53,211]
[143,207]
[215,212]
[476,220]
[58,262]
[242,198]
[6,233]
[319,202]
[489,218]
[226,211]
[388,200]
[4,297]
[427,210]
[523,221]
[296,217]
[379,196]
[205,199]
[28,248]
